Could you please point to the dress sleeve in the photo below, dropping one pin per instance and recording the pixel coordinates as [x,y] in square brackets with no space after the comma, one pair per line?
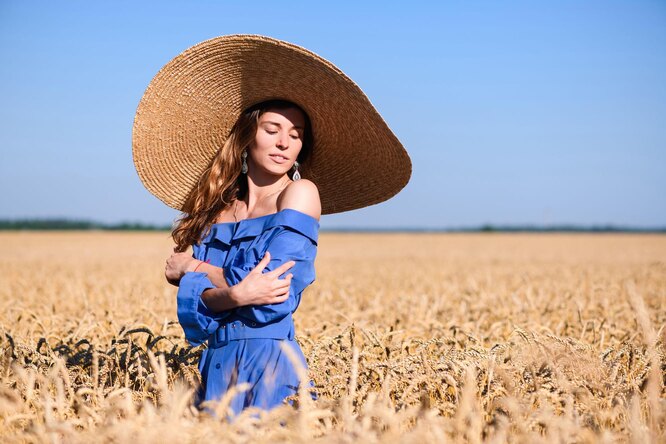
[287,245]
[197,320]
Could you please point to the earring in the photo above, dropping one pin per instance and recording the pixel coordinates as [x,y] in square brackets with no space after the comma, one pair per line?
[244,166]
[296,175]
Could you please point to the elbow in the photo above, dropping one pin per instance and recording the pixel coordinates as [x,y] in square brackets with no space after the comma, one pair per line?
[170,278]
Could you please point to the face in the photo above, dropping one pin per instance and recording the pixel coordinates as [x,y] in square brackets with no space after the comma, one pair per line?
[278,141]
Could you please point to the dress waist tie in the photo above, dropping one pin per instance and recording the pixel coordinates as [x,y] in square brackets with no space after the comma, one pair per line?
[237,329]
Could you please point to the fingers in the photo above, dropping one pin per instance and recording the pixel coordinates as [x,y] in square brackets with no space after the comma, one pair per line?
[281,295]
[282,268]
[282,298]
[282,284]
[262,263]
[278,297]
[281,292]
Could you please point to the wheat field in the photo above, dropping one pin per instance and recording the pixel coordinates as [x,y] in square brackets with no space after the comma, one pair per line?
[409,338]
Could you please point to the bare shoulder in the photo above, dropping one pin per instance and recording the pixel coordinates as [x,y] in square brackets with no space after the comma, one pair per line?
[301,195]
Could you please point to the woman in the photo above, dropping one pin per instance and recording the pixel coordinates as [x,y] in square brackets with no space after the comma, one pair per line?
[278,214]
[223,133]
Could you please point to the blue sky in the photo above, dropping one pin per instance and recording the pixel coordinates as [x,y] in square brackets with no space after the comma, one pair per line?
[512,112]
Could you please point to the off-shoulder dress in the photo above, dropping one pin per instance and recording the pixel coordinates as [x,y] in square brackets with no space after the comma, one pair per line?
[244,344]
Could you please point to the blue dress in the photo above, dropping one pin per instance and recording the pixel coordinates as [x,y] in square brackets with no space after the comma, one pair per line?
[244,344]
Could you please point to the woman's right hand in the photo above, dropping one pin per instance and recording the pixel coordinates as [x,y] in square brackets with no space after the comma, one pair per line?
[258,288]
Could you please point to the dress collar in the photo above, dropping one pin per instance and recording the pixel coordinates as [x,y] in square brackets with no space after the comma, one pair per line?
[227,232]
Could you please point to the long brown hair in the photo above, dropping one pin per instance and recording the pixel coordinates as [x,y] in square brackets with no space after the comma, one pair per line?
[222,182]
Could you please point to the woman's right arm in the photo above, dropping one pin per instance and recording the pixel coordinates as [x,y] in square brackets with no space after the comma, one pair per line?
[202,306]
[257,288]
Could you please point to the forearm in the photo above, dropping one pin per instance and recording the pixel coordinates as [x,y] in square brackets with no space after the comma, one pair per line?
[220,299]
[215,274]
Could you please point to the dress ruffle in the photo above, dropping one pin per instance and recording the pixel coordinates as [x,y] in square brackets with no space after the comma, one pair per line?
[228,232]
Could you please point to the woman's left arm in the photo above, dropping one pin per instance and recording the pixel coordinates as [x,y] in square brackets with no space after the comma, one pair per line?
[197,320]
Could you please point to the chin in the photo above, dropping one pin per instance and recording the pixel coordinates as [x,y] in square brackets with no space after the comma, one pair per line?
[276,171]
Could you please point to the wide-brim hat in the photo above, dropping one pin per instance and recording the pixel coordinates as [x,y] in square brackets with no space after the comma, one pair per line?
[192,103]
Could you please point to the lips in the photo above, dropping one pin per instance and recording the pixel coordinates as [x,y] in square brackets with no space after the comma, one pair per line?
[278,158]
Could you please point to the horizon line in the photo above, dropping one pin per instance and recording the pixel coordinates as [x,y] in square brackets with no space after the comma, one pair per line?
[67,224]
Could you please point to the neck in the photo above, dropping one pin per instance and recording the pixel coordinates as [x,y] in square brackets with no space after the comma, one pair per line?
[260,187]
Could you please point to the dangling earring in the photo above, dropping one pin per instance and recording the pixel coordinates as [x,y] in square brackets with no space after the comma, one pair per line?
[244,166]
[296,175]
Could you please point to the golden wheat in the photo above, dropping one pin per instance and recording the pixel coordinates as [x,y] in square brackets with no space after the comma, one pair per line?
[409,338]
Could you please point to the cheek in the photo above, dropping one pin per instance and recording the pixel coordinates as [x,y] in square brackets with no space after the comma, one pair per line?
[298,149]
[260,142]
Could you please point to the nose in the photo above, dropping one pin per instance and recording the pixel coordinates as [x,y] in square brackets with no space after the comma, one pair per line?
[283,141]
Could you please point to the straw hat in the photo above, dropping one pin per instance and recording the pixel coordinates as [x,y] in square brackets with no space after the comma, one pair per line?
[190,106]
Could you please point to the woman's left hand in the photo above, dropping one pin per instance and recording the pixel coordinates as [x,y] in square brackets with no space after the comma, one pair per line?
[177,265]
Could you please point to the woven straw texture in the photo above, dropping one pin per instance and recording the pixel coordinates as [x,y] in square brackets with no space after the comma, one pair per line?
[191,104]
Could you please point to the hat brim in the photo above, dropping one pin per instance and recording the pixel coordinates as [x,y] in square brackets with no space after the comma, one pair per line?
[192,103]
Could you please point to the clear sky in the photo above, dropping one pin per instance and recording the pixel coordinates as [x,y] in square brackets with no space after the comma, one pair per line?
[529,112]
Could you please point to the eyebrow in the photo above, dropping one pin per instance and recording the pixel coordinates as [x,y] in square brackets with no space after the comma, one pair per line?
[277,124]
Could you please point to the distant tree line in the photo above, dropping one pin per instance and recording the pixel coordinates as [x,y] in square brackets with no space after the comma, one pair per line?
[567,228]
[73,224]
[508,229]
